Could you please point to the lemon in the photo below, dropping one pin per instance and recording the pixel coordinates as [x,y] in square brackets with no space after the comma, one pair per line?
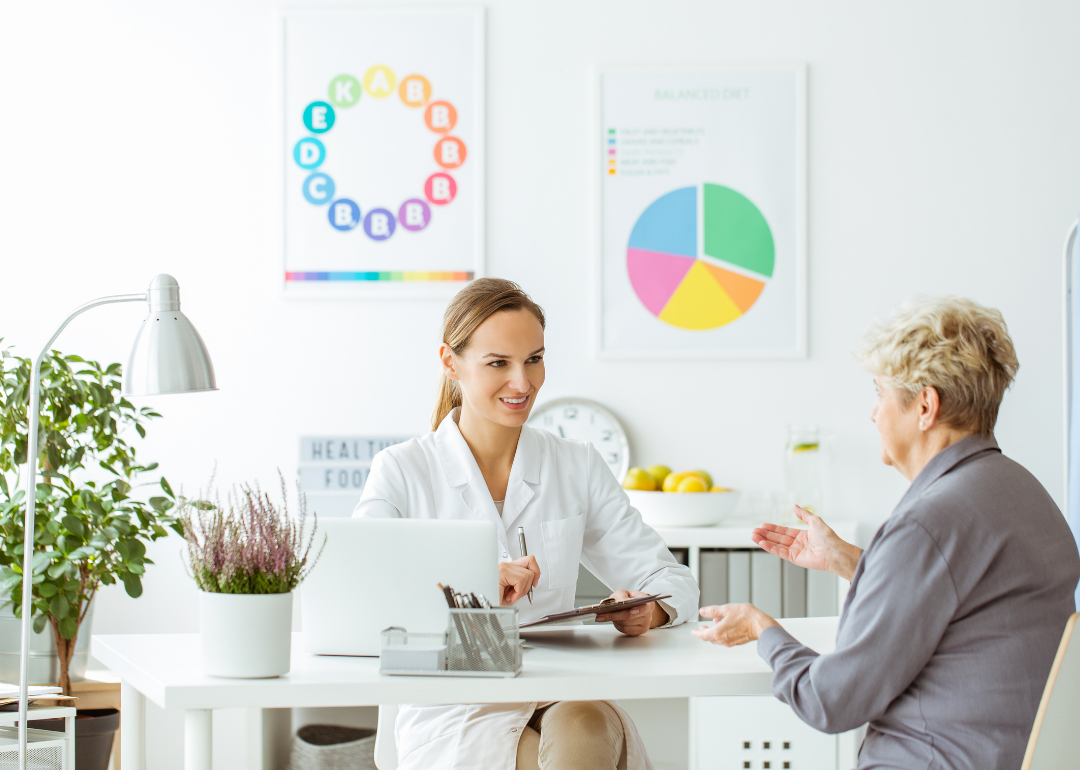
[659,473]
[692,483]
[719,489]
[636,478]
[697,475]
[671,481]
[706,476]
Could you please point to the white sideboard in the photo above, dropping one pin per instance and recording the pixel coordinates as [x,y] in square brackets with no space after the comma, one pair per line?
[736,733]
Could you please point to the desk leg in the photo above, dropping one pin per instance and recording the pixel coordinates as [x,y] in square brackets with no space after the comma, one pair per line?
[198,739]
[269,738]
[133,734]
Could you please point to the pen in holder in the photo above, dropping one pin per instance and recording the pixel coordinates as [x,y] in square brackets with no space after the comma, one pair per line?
[481,642]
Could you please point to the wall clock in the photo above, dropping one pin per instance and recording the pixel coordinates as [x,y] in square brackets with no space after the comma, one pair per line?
[584,420]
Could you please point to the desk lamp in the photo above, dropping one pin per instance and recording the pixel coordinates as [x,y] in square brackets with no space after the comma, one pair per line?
[168,357]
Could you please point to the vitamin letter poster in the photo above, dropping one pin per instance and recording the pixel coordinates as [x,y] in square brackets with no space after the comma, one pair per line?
[383,116]
[702,234]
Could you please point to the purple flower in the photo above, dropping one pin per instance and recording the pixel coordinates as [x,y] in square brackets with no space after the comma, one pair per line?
[249,547]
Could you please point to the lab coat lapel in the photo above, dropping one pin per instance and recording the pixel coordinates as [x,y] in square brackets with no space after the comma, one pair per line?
[463,473]
[524,475]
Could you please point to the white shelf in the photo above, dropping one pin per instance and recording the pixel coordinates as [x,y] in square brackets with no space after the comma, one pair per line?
[735,533]
[53,749]
[762,715]
[38,712]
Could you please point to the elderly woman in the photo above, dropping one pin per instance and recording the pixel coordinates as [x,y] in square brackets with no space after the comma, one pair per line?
[957,606]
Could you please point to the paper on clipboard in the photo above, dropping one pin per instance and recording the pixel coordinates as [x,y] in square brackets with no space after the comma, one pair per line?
[606,606]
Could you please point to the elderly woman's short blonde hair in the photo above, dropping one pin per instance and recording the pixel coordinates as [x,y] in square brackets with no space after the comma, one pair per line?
[960,348]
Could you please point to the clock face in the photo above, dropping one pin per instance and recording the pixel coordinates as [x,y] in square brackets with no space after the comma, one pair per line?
[583,420]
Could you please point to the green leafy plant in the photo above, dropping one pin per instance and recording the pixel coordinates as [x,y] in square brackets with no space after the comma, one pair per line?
[89,529]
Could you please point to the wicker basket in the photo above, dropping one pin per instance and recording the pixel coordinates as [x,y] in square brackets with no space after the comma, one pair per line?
[332,747]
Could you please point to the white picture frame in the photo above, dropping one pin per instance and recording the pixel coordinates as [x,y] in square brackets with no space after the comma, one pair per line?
[647,338]
[460,252]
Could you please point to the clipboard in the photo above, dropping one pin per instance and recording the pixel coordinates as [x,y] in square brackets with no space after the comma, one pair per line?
[606,606]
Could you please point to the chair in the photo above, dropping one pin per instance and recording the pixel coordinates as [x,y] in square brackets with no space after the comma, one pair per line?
[1052,745]
[385,746]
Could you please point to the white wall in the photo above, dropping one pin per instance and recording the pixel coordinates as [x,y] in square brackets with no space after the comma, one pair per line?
[141,137]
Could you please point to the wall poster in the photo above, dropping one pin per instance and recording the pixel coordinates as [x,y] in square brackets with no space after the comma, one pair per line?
[383,117]
[702,213]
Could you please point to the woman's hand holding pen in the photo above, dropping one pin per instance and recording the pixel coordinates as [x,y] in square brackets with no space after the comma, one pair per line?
[516,578]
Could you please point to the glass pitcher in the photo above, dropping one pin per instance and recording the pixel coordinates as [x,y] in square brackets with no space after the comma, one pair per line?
[803,471]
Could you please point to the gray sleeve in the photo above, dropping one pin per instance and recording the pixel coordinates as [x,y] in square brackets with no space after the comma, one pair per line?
[904,601]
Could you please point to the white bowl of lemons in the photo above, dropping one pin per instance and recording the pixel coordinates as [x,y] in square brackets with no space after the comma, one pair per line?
[687,499]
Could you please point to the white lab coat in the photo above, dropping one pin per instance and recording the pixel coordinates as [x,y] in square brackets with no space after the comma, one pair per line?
[573,510]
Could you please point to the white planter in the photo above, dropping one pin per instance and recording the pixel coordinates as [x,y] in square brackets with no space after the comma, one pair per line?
[245,636]
[44,662]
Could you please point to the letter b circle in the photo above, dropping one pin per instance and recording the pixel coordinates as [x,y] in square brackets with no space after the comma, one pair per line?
[344,214]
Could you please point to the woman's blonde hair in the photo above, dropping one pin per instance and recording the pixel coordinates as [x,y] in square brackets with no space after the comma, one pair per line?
[473,305]
[958,347]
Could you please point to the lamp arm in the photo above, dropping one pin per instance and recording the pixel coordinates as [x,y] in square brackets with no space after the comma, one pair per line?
[34,417]
[79,311]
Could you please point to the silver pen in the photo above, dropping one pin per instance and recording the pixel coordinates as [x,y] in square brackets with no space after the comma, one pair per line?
[524,553]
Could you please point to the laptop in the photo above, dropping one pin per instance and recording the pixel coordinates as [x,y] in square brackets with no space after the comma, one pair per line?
[377,573]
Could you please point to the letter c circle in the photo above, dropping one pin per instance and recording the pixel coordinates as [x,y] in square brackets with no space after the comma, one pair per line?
[318,188]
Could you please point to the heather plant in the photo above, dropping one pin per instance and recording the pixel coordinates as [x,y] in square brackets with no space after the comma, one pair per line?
[250,545]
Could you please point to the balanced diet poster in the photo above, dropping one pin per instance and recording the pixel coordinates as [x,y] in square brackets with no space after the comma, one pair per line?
[702,213]
[383,151]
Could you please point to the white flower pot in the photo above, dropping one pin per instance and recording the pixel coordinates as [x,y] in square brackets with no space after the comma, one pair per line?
[245,636]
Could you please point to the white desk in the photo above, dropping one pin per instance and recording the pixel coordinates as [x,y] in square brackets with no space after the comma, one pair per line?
[583,663]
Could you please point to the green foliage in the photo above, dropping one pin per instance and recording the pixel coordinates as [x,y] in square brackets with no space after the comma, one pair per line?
[89,528]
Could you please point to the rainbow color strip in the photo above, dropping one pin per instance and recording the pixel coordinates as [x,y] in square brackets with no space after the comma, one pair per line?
[413,275]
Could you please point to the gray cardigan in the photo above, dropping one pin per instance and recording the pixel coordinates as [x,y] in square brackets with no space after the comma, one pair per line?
[951,623]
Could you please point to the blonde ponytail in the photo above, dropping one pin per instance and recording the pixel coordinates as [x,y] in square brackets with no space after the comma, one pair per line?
[449,399]
[473,305]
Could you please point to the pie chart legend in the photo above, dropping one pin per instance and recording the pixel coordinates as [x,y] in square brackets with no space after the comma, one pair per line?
[698,278]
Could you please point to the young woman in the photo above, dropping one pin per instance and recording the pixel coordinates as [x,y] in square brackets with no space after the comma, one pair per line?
[482,462]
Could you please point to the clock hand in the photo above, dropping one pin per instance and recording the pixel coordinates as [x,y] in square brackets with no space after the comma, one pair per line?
[561,434]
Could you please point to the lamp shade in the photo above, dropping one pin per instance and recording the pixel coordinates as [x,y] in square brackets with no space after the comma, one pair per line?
[168,356]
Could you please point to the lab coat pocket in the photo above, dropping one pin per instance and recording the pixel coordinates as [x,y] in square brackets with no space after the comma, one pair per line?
[562,546]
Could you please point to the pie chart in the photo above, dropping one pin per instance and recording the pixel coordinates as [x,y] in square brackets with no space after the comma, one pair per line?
[698,278]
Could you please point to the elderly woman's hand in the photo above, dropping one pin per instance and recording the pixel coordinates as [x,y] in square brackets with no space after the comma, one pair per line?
[734,624]
[817,547]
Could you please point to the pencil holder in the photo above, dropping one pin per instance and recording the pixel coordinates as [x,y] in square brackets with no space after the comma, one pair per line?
[405,653]
[476,643]
[484,641]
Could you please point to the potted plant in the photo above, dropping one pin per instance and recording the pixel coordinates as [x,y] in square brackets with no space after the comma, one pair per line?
[246,557]
[90,529]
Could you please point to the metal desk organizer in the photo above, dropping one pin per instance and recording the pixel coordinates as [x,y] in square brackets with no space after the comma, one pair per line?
[475,643]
